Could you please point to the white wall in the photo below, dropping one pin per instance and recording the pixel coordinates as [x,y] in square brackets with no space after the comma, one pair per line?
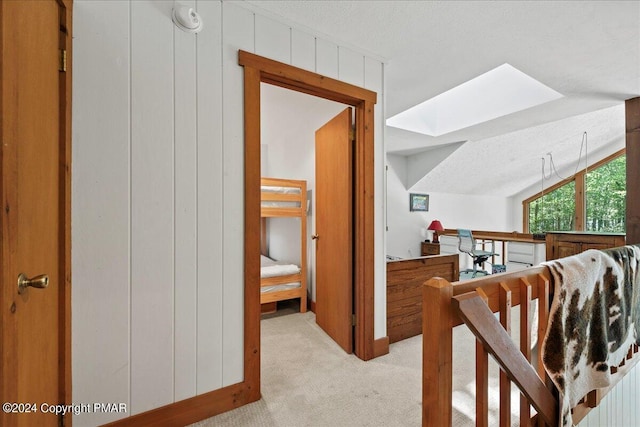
[407,229]
[158,190]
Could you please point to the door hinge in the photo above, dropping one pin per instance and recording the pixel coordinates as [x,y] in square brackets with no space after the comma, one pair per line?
[353,320]
[352,134]
[63,60]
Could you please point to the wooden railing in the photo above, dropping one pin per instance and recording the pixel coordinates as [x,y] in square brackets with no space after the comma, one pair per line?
[474,302]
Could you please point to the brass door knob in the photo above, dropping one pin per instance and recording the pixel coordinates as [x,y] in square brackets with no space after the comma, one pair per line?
[40,282]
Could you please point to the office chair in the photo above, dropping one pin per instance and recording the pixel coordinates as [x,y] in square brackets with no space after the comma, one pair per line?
[467,244]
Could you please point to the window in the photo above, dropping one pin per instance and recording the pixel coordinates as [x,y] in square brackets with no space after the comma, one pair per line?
[606,197]
[555,210]
[563,207]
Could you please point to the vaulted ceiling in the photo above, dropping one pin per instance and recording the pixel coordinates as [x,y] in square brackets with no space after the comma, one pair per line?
[589,51]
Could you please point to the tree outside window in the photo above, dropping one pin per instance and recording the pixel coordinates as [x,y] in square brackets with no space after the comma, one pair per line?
[602,210]
[606,197]
[554,210]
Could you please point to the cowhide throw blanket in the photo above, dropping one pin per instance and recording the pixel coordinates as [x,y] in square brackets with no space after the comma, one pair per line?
[594,318]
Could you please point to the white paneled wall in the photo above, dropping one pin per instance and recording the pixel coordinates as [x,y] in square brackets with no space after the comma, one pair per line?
[327,58]
[158,193]
[152,206]
[237,33]
[185,230]
[619,408]
[101,207]
[209,210]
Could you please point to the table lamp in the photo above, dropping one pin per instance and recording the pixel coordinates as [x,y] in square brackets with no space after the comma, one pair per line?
[435,226]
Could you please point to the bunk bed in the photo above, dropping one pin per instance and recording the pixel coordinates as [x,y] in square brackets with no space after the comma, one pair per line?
[538,368]
[283,198]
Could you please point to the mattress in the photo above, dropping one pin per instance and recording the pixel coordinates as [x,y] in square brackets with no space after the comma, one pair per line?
[277,204]
[279,190]
[273,268]
[282,287]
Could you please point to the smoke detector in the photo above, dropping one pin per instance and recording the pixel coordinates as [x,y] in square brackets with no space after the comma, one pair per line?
[187,19]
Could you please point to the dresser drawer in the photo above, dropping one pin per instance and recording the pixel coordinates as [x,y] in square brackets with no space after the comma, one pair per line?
[427,248]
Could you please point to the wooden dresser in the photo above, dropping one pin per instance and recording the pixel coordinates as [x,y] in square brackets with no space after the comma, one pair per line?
[405,279]
[561,244]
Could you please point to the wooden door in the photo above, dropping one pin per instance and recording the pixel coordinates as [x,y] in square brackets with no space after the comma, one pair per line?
[334,229]
[34,211]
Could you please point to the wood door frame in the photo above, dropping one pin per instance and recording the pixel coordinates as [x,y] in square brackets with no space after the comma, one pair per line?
[257,70]
[65,206]
[8,192]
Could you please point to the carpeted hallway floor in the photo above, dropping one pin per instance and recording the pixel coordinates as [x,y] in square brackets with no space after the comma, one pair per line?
[307,380]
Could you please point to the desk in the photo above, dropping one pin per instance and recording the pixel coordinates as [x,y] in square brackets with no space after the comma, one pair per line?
[502,240]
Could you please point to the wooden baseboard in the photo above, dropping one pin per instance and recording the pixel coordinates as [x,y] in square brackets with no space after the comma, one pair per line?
[192,410]
[312,306]
[380,347]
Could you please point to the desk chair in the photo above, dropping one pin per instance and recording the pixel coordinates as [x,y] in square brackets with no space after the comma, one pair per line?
[467,244]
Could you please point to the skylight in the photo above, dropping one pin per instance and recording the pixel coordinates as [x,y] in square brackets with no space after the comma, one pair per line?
[496,93]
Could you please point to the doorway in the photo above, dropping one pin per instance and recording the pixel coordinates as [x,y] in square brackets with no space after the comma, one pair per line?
[256,70]
[307,138]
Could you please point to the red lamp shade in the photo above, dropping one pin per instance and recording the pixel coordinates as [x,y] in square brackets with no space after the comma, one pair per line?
[435,226]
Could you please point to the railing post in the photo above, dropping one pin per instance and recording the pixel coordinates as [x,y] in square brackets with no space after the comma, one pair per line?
[436,353]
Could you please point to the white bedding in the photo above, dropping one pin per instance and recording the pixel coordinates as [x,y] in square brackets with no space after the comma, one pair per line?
[282,287]
[278,270]
[283,190]
[275,204]
[279,190]
[272,268]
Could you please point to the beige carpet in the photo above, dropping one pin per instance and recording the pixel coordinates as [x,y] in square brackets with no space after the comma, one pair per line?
[307,380]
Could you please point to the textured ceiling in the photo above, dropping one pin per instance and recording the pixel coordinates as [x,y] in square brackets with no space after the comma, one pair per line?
[587,50]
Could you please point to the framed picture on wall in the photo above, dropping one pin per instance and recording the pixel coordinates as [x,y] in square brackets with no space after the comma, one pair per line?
[418,202]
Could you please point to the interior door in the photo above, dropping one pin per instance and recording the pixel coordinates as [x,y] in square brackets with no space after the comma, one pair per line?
[33,199]
[334,235]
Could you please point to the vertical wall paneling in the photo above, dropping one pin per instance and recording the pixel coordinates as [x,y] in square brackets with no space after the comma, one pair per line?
[272,39]
[350,66]
[303,50]
[635,385]
[100,206]
[374,80]
[326,58]
[158,194]
[635,393]
[621,403]
[237,33]
[185,279]
[210,178]
[152,205]
[618,407]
